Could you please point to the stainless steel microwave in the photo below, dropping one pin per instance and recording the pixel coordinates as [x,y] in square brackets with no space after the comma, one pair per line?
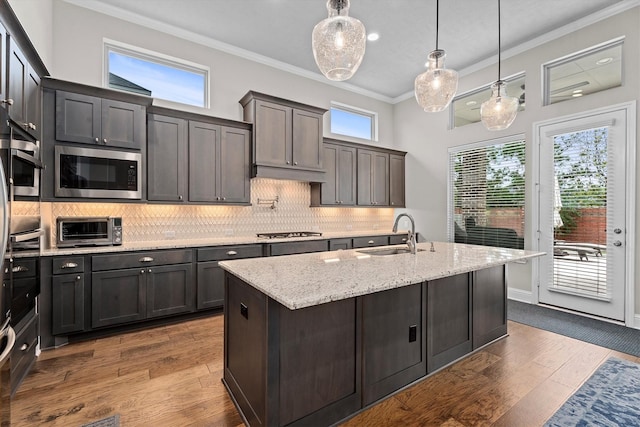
[102,231]
[97,173]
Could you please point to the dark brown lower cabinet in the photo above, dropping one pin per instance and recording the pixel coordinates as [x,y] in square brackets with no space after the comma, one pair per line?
[210,278]
[118,296]
[489,305]
[394,340]
[170,290]
[67,293]
[449,332]
[306,371]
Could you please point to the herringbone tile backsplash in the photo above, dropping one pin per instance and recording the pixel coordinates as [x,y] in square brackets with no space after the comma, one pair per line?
[152,222]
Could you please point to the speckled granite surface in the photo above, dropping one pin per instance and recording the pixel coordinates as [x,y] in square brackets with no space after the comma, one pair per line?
[298,281]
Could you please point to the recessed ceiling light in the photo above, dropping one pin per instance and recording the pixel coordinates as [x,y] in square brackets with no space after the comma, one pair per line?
[604,61]
[373,37]
[471,103]
[575,95]
[577,91]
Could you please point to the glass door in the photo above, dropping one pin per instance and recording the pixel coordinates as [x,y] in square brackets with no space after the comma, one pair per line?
[583,214]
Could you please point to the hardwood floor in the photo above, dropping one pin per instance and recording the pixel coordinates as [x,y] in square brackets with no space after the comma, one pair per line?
[170,376]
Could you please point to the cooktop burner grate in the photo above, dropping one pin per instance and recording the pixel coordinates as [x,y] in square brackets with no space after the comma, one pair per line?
[286,234]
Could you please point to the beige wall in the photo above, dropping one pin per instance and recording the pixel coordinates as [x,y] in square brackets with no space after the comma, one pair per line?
[36,17]
[426,136]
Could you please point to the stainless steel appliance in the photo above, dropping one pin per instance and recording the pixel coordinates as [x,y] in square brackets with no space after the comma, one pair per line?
[287,234]
[106,231]
[7,334]
[97,173]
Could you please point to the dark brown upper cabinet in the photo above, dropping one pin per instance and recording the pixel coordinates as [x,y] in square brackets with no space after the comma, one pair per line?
[94,120]
[23,91]
[396,180]
[340,186]
[287,138]
[373,178]
[3,66]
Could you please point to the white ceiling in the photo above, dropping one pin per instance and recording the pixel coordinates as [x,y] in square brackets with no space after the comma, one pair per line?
[278,32]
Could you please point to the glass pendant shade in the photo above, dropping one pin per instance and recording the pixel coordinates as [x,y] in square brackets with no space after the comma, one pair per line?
[338,42]
[499,111]
[435,88]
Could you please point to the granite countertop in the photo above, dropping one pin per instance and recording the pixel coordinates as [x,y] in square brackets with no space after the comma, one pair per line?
[213,241]
[299,281]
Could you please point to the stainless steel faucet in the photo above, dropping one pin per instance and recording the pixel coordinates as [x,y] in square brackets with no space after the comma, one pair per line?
[411,238]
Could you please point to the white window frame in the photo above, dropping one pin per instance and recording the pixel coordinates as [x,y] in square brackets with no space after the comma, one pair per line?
[473,146]
[360,111]
[156,57]
[548,66]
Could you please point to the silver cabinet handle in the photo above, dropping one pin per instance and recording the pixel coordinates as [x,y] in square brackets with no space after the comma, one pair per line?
[404,239]
[149,271]
[23,347]
[77,277]
[104,140]
[232,253]
[97,139]
[179,197]
[295,163]
[69,265]
[146,259]
[7,101]
[141,271]
[19,269]
[371,242]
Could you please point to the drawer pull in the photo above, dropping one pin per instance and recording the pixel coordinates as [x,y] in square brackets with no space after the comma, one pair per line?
[69,265]
[23,347]
[371,242]
[232,253]
[78,277]
[404,239]
[19,269]
[146,259]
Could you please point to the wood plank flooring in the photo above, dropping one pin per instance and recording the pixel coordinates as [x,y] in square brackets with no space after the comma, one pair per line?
[170,376]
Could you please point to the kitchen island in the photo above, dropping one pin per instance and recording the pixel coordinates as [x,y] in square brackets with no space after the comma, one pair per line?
[311,339]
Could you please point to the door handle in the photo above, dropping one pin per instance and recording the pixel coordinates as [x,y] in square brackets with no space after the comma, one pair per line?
[617,231]
[617,243]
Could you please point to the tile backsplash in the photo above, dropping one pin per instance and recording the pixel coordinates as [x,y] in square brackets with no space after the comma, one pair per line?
[153,222]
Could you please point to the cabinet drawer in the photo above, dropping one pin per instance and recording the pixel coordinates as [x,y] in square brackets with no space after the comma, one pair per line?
[222,253]
[398,239]
[140,259]
[290,248]
[363,242]
[66,265]
[24,352]
[22,267]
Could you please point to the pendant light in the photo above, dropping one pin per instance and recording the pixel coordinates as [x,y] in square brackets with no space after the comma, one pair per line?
[338,42]
[435,88]
[499,111]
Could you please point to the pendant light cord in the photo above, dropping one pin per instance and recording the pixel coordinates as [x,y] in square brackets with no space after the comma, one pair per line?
[499,47]
[437,20]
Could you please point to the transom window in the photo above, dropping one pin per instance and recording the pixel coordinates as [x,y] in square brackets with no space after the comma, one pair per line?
[141,71]
[466,107]
[487,193]
[352,121]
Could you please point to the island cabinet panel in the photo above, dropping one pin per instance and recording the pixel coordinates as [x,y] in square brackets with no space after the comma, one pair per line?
[337,244]
[394,340]
[449,319]
[285,367]
[363,242]
[489,305]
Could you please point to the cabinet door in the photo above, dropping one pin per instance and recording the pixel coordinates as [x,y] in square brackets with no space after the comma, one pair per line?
[346,177]
[210,285]
[78,117]
[204,155]
[380,179]
[17,89]
[273,133]
[167,155]
[118,296]
[329,189]
[33,103]
[396,180]
[448,320]
[67,294]
[365,172]
[336,244]
[394,340]
[123,124]
[489,305]
[235,166]
[307,139]
[170,290]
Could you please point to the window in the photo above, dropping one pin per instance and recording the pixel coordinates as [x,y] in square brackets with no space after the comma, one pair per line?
[486,193]
[466,106]
[589,71]
[153,74]
[355,122]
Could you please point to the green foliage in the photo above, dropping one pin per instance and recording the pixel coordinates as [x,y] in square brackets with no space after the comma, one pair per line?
[569,221]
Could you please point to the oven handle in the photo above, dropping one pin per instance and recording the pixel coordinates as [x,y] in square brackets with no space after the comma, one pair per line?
[11,340]
[27,158]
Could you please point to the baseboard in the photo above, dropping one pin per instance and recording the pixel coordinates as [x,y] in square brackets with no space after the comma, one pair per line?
[520,295]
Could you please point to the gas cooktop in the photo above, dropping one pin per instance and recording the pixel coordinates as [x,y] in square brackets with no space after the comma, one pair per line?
[286,234]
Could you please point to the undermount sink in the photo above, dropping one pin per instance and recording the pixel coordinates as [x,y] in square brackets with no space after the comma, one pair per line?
[388,251]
